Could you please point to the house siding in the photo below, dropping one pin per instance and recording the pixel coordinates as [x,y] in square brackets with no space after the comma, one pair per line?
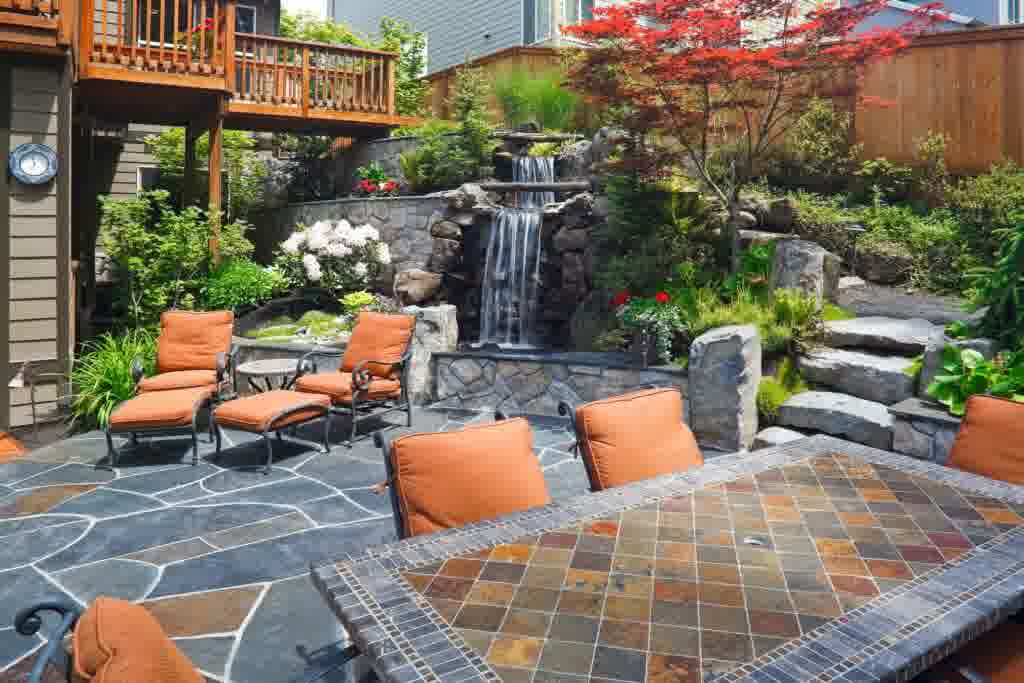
[455,29]
[36,107]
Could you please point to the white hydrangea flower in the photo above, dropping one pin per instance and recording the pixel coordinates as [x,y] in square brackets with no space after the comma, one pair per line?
[383,253]
[361,269]
[317,235]
[293,243]
[312,266]
[338,249]
[370,232]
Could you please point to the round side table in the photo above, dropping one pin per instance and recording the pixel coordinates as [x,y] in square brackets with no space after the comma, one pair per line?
[267,375]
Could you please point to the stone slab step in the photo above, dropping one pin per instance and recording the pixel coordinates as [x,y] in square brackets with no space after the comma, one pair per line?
[775,436]
[876,332]
[864,375]
[842,415]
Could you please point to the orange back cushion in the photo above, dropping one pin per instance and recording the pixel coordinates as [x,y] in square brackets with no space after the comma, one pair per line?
[991,439]
[191,341]
[635,436]
[118,642]
[450,479]
[378,336]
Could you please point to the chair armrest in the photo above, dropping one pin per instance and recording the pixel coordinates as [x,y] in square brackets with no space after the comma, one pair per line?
[361,377]
[307,365]
[28,621]
[566,409]
[137,370]
[225,361]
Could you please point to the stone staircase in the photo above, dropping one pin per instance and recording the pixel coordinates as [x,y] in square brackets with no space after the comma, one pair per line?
[855,376]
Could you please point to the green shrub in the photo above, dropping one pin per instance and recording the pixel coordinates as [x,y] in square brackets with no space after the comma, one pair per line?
[985,204]
[163,254]
[784,319]
[774,390]
[932,176]
[821,140]
[831,312]
[102,375]
[1000,289]
[966,373]
[357,301]
[823,219]
[524,96]
[428,127]
[240,283]
[893,182]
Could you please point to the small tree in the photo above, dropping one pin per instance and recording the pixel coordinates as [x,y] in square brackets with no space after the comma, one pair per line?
[411,46]
[713,85]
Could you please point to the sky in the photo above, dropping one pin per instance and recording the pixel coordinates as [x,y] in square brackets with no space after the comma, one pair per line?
[316,6]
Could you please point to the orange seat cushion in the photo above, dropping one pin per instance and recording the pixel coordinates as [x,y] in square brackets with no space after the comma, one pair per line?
[191,341]
[338,385]
[156,409]
[182,379]
[378,336]
[118,642]
[635,436]
[450,479]
[10,447]
[256,413]
[991,439]
[997,656]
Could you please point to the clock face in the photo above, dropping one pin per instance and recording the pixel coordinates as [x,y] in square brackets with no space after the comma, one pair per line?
[33,164]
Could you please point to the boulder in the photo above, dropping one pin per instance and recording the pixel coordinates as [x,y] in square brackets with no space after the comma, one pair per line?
[464,218]
[744,220]
[876,332]
[886,263]
[581,204]
[756,205]
[591,318]
[775,436]
[416,286]
[750,238]
[437,330]
[865,375]
[504,165]
[469,197]
[575,160]
[724,371]
[446,230]
[806,266]
[571,240]
[780,215]
[842,415]
[932,362]
[445,255]
[573,272]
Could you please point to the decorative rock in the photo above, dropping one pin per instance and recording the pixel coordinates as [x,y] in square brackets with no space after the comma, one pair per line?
[602,206]
[469,197]
[775,436]
[780,214]
[416,286]
[849,417]
[464,218]
[886,263]
[850,284]
[933,351]
[750,238]
[891,334]
[806,266]
[581,204]
[446,230]
[437,330]
[446,255]
[724,371]
[573,275]
[923,430]
[745,220]
[571,240]
[575,160]
[875,378]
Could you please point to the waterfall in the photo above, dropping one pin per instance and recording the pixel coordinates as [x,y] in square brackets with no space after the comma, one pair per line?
[511,282]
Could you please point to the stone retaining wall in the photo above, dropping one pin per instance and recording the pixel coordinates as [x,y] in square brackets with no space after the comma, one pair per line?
[921,430]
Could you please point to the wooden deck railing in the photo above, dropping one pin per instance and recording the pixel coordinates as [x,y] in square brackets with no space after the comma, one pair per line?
[312,77]
[39,22]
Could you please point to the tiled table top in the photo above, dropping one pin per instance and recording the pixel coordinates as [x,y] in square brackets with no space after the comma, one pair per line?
[820,560]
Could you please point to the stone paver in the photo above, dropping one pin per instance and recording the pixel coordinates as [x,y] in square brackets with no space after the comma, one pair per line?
[220,552]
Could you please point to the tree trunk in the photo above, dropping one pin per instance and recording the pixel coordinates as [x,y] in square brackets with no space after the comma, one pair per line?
[732,229]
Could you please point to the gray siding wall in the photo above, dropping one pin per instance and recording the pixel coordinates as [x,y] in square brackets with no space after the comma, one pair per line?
[455,29]
[38,238]
[132,157]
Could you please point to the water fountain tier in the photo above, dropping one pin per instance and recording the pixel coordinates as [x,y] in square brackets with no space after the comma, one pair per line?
[511,281]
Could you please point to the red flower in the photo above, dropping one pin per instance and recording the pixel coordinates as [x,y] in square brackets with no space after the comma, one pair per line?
[390,186]
[621,299]
[372,187]
[662,297]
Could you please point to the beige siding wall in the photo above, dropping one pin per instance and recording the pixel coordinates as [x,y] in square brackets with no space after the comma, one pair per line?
[38,238]
[132,157]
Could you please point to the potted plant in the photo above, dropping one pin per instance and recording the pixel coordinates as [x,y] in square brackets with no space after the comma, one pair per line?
[374,182]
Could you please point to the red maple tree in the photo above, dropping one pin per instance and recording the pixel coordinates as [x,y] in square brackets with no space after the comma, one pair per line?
[711,86]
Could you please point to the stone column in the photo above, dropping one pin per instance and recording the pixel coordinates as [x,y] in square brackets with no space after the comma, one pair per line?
[725,369]
[437,329]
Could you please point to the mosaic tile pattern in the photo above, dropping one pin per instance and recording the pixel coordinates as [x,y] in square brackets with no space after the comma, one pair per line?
[823,560]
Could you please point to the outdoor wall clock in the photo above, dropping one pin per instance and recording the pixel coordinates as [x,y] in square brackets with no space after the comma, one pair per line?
[33,163]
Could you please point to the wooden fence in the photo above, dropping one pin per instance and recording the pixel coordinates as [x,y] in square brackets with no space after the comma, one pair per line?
[968,84]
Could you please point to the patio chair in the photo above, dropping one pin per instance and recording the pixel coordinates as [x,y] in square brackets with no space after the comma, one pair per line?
[635,436]
[990,442]
[373,379]
[194,350]
[113,641]
[448,479]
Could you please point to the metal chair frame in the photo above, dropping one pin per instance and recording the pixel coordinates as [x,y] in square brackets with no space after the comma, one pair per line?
[27,622]
[361,379]
[324,414]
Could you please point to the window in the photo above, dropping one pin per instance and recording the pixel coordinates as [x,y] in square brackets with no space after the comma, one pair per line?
[538,17]
[1014,11]
[245,19]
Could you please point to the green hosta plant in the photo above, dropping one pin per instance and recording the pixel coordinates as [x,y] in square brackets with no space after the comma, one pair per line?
[102,375]
[966,373]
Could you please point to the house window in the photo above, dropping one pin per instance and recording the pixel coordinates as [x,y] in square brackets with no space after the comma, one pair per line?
[245,19]
[1014,11]
[538,17]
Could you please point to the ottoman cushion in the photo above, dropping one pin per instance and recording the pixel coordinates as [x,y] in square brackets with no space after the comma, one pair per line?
[157,409]
[181,379]
[255,413]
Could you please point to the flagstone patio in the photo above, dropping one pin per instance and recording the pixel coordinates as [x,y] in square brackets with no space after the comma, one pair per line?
[219,552]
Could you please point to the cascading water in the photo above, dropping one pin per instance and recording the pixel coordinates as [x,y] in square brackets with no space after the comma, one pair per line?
[511,281]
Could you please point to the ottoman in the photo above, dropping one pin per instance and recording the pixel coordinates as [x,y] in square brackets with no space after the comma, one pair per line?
[160,412]
[271,412]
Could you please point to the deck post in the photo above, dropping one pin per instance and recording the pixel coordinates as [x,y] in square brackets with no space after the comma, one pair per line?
[215,166]
[191,134]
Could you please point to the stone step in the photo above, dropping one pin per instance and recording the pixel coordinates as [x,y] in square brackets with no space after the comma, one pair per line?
[868,298]
[865,375]
[775,436]
[876,332]
[842,415]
